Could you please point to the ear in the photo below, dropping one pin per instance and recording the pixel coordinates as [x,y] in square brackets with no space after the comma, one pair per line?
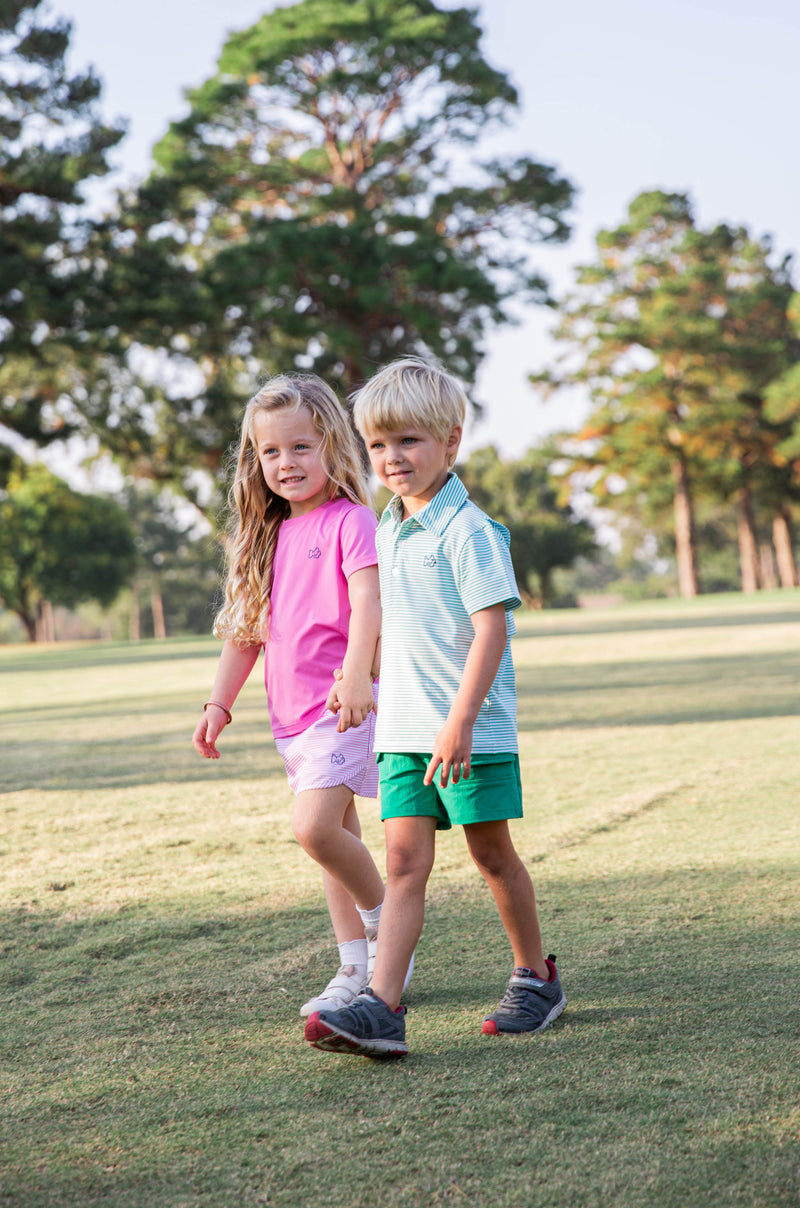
[453,443]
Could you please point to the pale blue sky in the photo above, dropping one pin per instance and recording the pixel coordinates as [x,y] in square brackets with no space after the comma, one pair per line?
[624,95]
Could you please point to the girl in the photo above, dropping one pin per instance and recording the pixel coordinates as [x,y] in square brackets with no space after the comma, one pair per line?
[302,582]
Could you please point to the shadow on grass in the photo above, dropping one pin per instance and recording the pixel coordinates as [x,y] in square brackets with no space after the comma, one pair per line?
[159,1060]
[83,655]
[659,691]
[583,622]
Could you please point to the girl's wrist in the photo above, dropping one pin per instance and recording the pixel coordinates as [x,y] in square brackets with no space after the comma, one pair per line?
[216,704]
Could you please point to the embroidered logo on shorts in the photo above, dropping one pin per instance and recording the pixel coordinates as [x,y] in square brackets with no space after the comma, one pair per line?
[316,552]
[337,759]
[429,560]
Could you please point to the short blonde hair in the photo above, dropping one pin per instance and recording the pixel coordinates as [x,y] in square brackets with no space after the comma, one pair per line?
[410,393]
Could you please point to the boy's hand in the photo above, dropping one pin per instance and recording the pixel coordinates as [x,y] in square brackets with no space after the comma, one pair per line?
[352,700]
[452,752]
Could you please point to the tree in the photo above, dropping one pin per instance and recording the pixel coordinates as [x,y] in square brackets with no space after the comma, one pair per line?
[677,332]
[51,142]
[178,571]
[59,547]
[524,495]
[321,208]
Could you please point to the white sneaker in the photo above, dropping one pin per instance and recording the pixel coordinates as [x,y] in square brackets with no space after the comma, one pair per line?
[372,948]
[339,992]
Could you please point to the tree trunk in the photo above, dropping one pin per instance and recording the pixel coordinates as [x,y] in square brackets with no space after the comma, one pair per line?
[135,621]
[782,539]
[157,609]
[748,545]
[684,532]
[766,566]
[45,622]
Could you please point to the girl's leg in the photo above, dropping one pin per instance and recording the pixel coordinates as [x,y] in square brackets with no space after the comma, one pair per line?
[319,827]
[346,920]
[493,851]
[410,849]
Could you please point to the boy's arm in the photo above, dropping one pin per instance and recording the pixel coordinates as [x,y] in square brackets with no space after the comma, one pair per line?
[453,747]
[235,665]
[351,696]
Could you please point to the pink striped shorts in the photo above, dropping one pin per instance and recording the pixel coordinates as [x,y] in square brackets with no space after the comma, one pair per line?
[322,758]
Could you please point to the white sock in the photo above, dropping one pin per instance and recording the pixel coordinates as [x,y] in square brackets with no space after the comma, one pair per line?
[354,952]
[370,918]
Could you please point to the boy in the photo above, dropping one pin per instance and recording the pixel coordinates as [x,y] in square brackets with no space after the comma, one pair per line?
[446,732]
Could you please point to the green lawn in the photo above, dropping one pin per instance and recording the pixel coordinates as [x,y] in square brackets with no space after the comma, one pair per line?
[160,928]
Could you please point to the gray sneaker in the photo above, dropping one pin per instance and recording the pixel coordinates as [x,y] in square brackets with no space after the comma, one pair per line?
[368,1026]
[529,1003]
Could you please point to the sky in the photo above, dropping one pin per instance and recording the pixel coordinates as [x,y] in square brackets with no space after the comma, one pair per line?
[696,96]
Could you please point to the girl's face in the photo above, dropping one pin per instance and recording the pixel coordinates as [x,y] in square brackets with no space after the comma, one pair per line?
[290,452]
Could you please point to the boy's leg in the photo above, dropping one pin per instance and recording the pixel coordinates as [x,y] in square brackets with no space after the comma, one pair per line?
[374,1025]
[410,850]
[495,856]
[533,998]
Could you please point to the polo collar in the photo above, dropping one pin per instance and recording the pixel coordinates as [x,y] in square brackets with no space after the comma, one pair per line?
[437,514]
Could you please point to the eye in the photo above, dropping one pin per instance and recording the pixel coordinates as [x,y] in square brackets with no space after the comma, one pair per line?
[269,451]
[408,440]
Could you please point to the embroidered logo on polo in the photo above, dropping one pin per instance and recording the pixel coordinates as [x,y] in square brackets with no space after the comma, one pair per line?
[429,560]
[316,552]
[337,759]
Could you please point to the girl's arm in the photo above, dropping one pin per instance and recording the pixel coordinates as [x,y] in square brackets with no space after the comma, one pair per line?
[453,747]
[235,665]
[352,696]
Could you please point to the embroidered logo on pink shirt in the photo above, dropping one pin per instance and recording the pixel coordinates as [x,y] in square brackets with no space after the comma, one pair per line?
[316,552]
[337,759]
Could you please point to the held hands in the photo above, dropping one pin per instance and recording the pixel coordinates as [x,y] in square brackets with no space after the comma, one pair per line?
[452,752]
[352,699]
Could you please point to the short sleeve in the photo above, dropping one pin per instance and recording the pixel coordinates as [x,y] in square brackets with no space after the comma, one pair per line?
[485,573]
[357,539]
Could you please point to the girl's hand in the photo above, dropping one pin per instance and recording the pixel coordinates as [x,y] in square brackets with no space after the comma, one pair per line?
[207,731]
[352,700]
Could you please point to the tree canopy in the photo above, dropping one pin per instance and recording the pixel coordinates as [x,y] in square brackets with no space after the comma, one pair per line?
[322,207]
[678,332]
[51,142]
[58,546]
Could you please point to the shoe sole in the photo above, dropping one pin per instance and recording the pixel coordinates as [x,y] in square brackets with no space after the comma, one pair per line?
[323,1036]
[495,1030]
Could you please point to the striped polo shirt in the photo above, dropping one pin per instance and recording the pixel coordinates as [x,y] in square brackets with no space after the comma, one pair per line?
[436,569]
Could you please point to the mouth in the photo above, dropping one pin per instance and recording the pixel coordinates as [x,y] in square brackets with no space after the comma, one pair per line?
[290,482]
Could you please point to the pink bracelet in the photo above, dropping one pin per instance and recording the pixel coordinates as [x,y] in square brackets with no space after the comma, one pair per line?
[217,705]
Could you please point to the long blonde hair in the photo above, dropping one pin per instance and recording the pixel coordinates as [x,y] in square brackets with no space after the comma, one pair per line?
[256,513]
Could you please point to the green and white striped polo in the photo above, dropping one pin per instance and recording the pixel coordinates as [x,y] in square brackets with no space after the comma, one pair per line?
[436,569]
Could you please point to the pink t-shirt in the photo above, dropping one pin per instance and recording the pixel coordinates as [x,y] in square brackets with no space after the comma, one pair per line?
[310,608]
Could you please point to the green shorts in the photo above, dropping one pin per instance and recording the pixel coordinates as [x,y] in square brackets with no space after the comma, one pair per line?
[492,793]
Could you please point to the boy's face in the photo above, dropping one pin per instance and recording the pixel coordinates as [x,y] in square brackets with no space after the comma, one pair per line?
[412,463]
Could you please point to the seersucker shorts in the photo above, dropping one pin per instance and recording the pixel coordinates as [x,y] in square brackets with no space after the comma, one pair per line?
[322,758]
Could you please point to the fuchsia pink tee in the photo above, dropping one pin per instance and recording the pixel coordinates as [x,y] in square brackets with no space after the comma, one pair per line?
[310,608]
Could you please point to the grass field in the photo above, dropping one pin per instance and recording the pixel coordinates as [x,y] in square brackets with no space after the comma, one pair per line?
[160,928]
